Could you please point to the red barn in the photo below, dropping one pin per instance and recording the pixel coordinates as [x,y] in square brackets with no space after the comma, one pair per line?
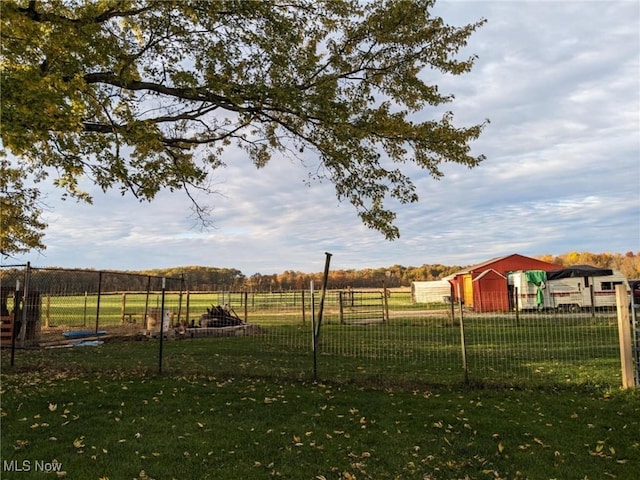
[483,287]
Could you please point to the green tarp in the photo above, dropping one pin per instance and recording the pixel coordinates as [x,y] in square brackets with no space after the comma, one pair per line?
[538,278]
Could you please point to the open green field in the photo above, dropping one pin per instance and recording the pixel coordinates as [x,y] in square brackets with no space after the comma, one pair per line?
[105,413]
[116,308]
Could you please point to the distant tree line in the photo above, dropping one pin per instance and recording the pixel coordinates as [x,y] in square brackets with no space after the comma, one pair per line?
[199,278]
[207,278]
[628,263]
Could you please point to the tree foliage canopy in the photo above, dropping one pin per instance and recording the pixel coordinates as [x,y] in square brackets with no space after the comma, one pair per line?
[142,95]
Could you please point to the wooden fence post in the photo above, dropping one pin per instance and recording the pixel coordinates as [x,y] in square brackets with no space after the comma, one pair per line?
[188,307]
[245,295]
[624,337]
[47,311]
[123,307]
[385,303]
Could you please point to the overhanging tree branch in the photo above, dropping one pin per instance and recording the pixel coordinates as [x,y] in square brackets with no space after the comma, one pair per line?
[145,95]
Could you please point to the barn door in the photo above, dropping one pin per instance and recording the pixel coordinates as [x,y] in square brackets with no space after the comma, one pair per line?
[467,289]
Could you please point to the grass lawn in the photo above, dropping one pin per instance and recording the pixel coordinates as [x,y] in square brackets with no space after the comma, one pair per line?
[98,417]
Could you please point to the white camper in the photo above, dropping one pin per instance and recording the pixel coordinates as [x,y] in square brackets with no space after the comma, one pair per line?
[528,290]
[572,288]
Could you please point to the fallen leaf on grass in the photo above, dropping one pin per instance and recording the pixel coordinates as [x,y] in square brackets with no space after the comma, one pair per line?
[20,444]
[540,442]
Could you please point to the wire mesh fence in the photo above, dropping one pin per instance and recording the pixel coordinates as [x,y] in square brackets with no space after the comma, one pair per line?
[377,336]
[48,306]
[544,347]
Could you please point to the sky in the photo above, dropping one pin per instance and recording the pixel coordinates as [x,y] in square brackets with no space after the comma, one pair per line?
[559,82]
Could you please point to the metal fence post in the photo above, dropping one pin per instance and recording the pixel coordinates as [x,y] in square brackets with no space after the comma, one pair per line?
[47,311]
[314,339]
[25,301]
[98,301]
[180,298]
[325,279]
[16,303]
[84,313]
[161,326]
[146,303]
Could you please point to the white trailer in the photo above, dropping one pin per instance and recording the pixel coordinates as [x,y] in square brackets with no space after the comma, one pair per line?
[571,288]
[436,291]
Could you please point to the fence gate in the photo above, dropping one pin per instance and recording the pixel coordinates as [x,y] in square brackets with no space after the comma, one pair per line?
[361,307]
